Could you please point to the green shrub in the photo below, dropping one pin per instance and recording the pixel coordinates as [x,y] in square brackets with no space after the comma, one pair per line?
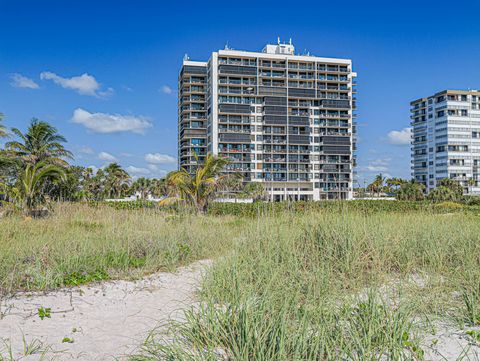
[260,209]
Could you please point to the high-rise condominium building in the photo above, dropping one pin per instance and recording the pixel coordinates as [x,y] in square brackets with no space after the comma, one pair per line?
[446,139]
[284,120]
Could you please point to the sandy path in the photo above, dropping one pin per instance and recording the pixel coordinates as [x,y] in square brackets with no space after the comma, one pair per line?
[104,320]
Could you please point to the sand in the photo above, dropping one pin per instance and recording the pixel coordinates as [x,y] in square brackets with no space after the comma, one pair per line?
[110,320]
[105,321]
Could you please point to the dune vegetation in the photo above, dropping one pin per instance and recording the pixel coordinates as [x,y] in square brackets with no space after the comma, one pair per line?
[334,285]
[343,281]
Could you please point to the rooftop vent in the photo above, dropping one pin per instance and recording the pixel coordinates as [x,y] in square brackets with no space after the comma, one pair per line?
[280,48]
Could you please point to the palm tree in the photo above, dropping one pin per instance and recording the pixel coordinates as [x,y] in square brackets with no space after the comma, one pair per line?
[3,130]
[453,185]
[143,186]
[472,182]
[411,191]
[395,183]
[199,188]
[3,134]
[30,190]
[163,187]
[96,184]
[255,190]
[41,142]
[377,184]
[117,180]
[441,194]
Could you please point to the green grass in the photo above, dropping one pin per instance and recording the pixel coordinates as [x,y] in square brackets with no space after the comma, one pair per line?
[323,281]
[80,244]
[332,285]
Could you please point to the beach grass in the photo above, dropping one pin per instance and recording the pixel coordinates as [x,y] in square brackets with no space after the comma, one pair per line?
[333,285]
[324,283]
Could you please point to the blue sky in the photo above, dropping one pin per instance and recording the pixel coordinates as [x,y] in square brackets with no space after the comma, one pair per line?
[105,72]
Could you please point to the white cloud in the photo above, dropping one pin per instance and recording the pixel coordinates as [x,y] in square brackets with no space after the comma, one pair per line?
[378,165]
[376,168]
[400,137]
[106,93]
[107,157]
[20,81]
[152,171]
[166,89]
[137,170]
[157,158]
[111,123]
[84,84]
[156,171]
[86,150]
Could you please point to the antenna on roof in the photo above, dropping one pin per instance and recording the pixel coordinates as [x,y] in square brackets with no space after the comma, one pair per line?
[278,40]
[186,57]
[290,42]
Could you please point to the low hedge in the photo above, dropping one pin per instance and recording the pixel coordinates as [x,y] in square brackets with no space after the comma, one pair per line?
[272,208]
[365,206]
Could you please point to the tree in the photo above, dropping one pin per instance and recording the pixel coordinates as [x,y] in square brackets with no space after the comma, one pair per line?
[411,191]
[3,130]
[199,188]
[255,190]
[143,186]
[40,143]
[453,185]
[3,133]
[441,194]
[71,187]
[472,182]
[95,185]
[117,180]
[232,185]
[395,183]
[376,185]
[30,190]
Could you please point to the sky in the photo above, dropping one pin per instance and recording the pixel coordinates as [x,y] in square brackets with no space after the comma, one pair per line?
[105,72]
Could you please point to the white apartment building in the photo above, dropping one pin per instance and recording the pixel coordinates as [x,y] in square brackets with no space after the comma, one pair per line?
[446,139]
[284,120]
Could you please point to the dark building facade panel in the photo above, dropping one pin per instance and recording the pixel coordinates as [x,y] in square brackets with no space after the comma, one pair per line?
[301,93]
[297,120]
[275,120]
[263,90]
[330,149]
[237,70]
[189,69]
[232,137]
[299,139]
[234,108]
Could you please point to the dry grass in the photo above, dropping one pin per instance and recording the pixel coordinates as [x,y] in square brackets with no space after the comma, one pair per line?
[334,285]
[321,284]
[78,244]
